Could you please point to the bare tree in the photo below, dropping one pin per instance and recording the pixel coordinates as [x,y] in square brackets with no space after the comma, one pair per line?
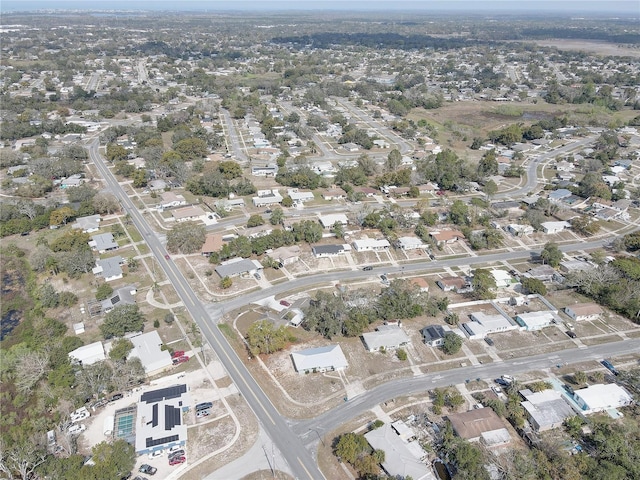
[30,368]
[106,203]
[22,458]
[28,208]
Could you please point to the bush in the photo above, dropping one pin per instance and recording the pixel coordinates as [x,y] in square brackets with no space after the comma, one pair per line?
[156,324]
[401,354]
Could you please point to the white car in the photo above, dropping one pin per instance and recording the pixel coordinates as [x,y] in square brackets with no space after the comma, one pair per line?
[80,415]
[77,429]
[156,454]
[175,448]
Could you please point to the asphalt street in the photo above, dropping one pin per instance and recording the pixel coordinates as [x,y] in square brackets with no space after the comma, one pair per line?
[299,459]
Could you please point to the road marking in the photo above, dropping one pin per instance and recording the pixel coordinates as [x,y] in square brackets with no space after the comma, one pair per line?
[305,468]
[239,374]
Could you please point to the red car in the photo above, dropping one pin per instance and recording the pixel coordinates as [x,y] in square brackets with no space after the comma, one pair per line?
[285,303]
[167,257]
[182,359]
[177,353]
[177,460]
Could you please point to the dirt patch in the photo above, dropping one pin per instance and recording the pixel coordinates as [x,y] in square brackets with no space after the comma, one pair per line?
[267,475]
[591,46]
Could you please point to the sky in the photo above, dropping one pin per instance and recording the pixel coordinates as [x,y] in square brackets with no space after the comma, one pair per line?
[575,7]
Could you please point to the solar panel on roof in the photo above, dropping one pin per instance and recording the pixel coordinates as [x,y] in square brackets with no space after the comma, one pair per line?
[115,299]
[163,394]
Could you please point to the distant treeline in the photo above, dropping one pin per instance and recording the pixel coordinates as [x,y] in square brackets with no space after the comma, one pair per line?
[580,33]
[375,40]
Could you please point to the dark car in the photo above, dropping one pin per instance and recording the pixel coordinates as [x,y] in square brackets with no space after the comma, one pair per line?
[570,334]
[489,341]
[203,406]
[366,269]
[167,257]
[177,453]
[501,382]
[285,303]
[115,397]
[148,469]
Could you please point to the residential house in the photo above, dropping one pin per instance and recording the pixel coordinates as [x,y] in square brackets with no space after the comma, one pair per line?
[481,424]
[570,266]
[433,335]
[545,410]
[350,147]
[259,231]
[371,245]
[427,188]
[386,337]
[600,397]
[147,348]
[121,296]
[159,419]
[457,284]
[531,321]
[238,266]
[322,251]
[402,459]
[267,198]
[328,221]
[103,242]
[212,243]
[421,283]
[88,354]
[518,230]
[557,195]
[88,224]
[188,214]
[501,277]
[264,170]
[544,273]
[171,200]
[73,181]
[334,194]
[286,255]
[554,227]
[368,191]
[584,311]
[300,196]
[109,268]
[321,359]
[446,236]
[410,243]
[483,324]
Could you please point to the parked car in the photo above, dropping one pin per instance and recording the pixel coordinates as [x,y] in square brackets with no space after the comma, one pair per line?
[177,460]
[179,360]
[285,303]
[368,268]
[489,341]
[571,334]
[384,278]
[496,390]
[177,353]
[99,403]
[203,413]
[257,276]
[156,454]
[501,382]
[80,414]
[177,453]
[115,397]
[77,429]
[203,406]
[138,477]
[148,469]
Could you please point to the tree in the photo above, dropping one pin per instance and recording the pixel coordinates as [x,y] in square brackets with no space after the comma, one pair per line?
[490,189]
[351,446]
[451,343]
[120,348]
[264,337]
[277,215]
[60,216]
[394,160]
[459,213]
[338,229]
[112,460]
[585,226]
[106,203]
[580,377]
[30,367]
[255,220]
[116,152]
[122,319]
[551,254]
[533,285]
[483,284]
[94,378]
[103,291]
[226,282]
[187,237]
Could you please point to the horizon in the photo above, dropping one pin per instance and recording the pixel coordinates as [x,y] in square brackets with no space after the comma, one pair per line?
[588,7]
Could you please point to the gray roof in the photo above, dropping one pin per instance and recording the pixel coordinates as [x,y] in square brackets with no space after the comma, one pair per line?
[110,266]
[90,222]
[237,268]
[103,242]
[329,357]
[432,332]
[547,409]
[121,296]
[322,249]
[387,336]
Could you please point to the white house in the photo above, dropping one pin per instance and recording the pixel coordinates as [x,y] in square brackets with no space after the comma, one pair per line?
[300,196]
[188,214]
[584,311]
[171,200]
[319,359]
[103,242]
[501,277]
[599,397]
[554,227]
[328,221]
[88,354]
[109,268]
[147,347]
[483,324]
[370,244]
[88,224]
[385,337]
[536,320]
[410,243]
[518,230]
[267,197]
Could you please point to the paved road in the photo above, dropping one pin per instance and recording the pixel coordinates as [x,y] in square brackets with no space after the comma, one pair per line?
[332,419]
[298,457]
[236,149]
